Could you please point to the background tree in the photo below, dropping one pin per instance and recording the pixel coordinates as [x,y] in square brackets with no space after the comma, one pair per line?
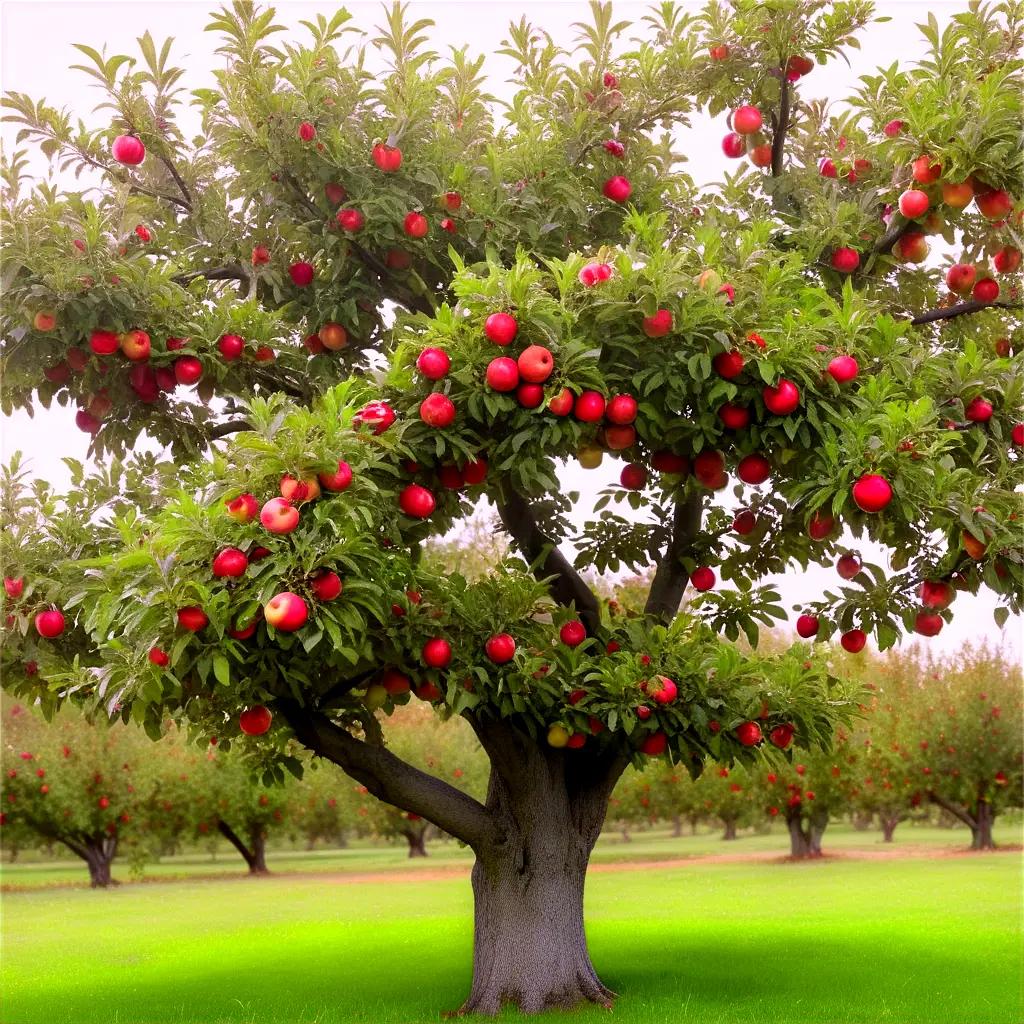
[323,807]
[775,326]
[731,795]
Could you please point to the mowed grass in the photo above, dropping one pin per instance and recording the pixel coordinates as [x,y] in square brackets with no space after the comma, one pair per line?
[910,941]
[363,856]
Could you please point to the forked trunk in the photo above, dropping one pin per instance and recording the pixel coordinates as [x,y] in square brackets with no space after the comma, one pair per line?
[730,828]
[529,944]
[98,854]
[255,854]
[805,841]
[981,830]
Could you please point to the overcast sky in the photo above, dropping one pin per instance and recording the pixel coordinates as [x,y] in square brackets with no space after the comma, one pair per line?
[37,49]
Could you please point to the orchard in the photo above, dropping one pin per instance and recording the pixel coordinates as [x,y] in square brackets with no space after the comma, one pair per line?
[356,306]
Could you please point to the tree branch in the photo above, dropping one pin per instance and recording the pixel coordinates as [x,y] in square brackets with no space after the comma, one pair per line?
[960,309]
[220,430]
[898,227]
[568,586]
[389,778]
[235,840]
[670,578]
[178,180]
[957,812]
[230,272]
[781,126]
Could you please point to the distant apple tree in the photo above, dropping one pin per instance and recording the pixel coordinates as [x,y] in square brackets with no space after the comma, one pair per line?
[351,306]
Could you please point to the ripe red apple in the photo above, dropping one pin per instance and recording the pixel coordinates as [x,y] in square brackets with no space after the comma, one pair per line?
[103,343]
[928,624]
[475,472]
[936,594]
[165,379]
[781,736]
[871,493]
[993,204]
[657,326]
[49,624]
[14,586]
[670,462]
[718,52]
[621,410]
[913,203]
[301,274]
[350,220]
[86,422]
[709,468]
[892,129]
[229,562]
[437,653]
[129,150]
[279,516]
[159,657]
[503,374]
[617,189]
[415,224]
[339,480]
[244,632]
[986,290]
[827,167]
[447,224]
[594,273]
[307,131]
[1006,260]
[744,522]
[807,626]
[783,399]
[960,278]
[501,328]
[854,640]
[845,260]
[655,744]
[326,585]
[192,618]
[377,414]
[433,363]
[589,407]
[957,195]
[59,373]
[500,648]
[452,201]
[749,734]
[242,509]
[848,566]
[416,501]
[734,145]
[231,347]
[333,336]
[662,690]
[306,489]
[754,469]
[975,548]
[728,364]
[912,247]
[387,158]
[747,120]
[286,612]
[617,438]
[255,721]
[843,369]
[44,321]
[573,633]
[703,578]
[978,410]
[397,259]
[633,477]
[562,403]
[395,682]
[260,255]
[451,477]
[437,410]
[1017,435]
[530,396]
[924,171]
[536,364]
[799,65]
[761,155]
[187,370]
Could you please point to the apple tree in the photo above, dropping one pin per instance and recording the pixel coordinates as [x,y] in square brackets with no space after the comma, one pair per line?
[731,795]
[356,305]
[658,792]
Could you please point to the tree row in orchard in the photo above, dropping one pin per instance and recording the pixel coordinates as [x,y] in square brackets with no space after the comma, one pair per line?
[357,305]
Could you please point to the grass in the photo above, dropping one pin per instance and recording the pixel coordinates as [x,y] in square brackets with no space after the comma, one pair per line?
[651,845]
[909,941]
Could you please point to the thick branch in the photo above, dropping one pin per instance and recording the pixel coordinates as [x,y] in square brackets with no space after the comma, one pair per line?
[960,309]
[670,578]
[235,840]
[76,848]
[547,561]
[781,126]
[898,227]
[957,812]
[178,180]
[220,430]
[231,272]
[389,778]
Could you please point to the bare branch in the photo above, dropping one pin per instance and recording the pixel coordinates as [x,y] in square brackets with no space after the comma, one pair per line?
[781,127]
[960,309]
[178,180]
[219,430]
[957,812]
[670,578]
[568,586]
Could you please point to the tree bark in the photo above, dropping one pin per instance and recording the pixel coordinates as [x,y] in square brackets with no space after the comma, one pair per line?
[98,854]
[889,823]
[981,832]
[730,828]
[805,842]
[677,826]
[416,838]
[254,854]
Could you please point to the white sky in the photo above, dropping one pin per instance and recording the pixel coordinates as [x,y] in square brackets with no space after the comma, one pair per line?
[36,51]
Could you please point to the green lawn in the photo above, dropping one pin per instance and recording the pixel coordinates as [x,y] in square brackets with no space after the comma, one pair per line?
[909,941]
[35,870]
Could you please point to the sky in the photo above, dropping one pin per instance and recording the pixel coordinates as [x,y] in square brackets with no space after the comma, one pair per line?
[36,50]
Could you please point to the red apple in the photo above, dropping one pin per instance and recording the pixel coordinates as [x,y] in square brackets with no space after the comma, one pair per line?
[159,657]
[301,274]
[377,414]
[59,373]
[783,399]
[192,618]
[616,148]
[781,736]
[871,493]
[415,225]
[395,682]
[229,562]
[433,363]
[655,744]
[231,346]
[845,260]
[279,516]
[452,201]
[255,721]
[957,195]
[709,468]
[49,624]
[848,566]
[993,204]
[536,364]
[416,501]
[260,255]
[129,150]
[820,526]
[621,410]
[913,203]
[975,548]
[437,653]
[617,189]
[350,220]
[986,290]
[734,145]
[761,156]
[530,396]
[475,472]
[662,690]
[854,640]
[703,578]
[728,364]
[744,522]
[86,422]
[298,491]
[670,462]
[500,648]
[807,626]
[594,273]
[1006,260]
[573,633]
[307,131]
[657,326]
[936,594]
[827,167]
[928,624]
[747,120]
[451,477]
[960,278]
[103,343]
[187,370]
[1017,435]
[749,734]
[754,469]
[326,585]
[437,410]
[242,509]
[633,477]
[843,369]
[718,52]
[978,410]
[912,247]
[14,586]
[501,328]
[924,171]
[562,403]
[589,407]
[799,65]
[286,612]
[387,158]
[502,374]
[333,336]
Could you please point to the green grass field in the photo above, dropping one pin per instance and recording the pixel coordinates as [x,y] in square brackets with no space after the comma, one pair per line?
[909,941]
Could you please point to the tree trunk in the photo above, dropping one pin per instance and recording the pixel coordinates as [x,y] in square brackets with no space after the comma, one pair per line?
[730,828]
[889,823]
[981,831]
[529,944]
[677,826]
[805,842]
[626,837]
[254,854]
[98,855]
[416,838]
[694,825]
[818,824]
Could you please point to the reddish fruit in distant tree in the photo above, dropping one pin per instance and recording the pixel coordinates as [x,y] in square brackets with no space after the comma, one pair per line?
[428,691]
[924,171]
[960,278]
[936,594]
[820,526]
[744,522]
[104,343]
[993,204]
[617,438]
[451,477]
[986,290]
[49,624]
[594,273]
[86,422]
[633,477]
[892,129]
[799,65]
[826,167]
[807,626]
[845,260]
[286,612]
[500,648]
[530,396]
[129,150]
[279,516]
[871,493]
[301,274]
[749,733]
[187,370]
[242,509]
[573,633]
[912,247]
[231,346]
[662,690]
[761,156]
[708,467]
[617,189]
[719,52]
[703,578]
[589,407]
[501,328]
[747,120]
[854,640]
[437,653]
[14,587]
[1017,435]
[387,158]
[326,585]
[848,566]
[416,501]
[536,364]
[621,409]
[192,618]
[350,220]
[475,472]
[59,373]
[159,657]
[781,400]
[452,201]
[657,326]
[437,410]
[447,224]
[913,203]
[229,562]
[44,321]
[734,145]
[433,363]
[616,148]
[781,736]
[503,374]
[255,721]
[395,682]
[415,225]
